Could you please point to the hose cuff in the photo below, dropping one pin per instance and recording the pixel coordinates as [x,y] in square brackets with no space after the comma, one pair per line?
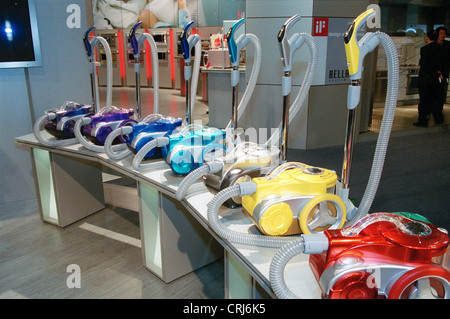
[126,130]
[85,121]
[247,188]
[315,243]
[162,141]
[214,167]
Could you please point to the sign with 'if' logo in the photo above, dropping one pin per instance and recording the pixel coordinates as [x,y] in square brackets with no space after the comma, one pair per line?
[320,27]
[329,36]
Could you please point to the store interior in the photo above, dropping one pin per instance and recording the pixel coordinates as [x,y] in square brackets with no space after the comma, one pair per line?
[39,253]
[106,245]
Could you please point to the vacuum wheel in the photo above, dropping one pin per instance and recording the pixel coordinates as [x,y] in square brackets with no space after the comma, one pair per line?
[326,211]
[355,285]
[276,219]
[68,129]
[426,282]
[182,162]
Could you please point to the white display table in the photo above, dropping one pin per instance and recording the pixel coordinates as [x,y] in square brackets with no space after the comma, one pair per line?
[175,235]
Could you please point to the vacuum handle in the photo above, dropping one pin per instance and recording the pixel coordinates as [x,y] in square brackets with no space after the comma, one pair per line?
[235,45]
[186,46]
[288,46]
[287,49]
[87,42]
[352,47]
[132,36]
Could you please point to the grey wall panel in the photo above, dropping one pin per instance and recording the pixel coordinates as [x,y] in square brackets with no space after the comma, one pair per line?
[327,116]
[264,109]
[64,74]
[339,9]
[323,121]
[264,113]
[16,182]
[270,8]
[266,29]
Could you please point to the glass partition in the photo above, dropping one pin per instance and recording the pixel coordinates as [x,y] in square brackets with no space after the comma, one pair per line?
[407,23]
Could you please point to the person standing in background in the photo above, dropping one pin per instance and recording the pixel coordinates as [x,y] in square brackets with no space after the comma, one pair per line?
[442,34]
[431,78]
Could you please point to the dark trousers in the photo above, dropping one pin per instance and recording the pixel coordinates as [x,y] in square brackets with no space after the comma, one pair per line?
[430,102]
[444,93]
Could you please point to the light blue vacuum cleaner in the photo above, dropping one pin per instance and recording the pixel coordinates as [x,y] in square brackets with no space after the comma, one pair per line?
[184,151]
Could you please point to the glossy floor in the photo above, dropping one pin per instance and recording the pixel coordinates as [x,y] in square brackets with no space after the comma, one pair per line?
[404,118]
[35,259]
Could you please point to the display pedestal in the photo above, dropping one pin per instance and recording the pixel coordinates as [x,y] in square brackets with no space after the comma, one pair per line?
[238,282]
[68,188]
[173,242]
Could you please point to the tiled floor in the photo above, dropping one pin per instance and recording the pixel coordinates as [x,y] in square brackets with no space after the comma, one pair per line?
[35,256]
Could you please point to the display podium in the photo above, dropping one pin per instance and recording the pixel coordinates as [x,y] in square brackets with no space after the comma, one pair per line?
[68,188]
[176,238]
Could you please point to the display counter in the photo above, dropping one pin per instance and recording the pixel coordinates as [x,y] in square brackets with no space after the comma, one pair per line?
[175,235]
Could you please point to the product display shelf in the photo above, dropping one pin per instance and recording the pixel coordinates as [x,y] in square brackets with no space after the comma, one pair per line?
[175,235]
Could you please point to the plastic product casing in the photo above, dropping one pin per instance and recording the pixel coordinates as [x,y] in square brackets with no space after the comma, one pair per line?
[245,161]
[144,132]
[63,125]
[293,191]
[106,121]
[383,245]
[185,151]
